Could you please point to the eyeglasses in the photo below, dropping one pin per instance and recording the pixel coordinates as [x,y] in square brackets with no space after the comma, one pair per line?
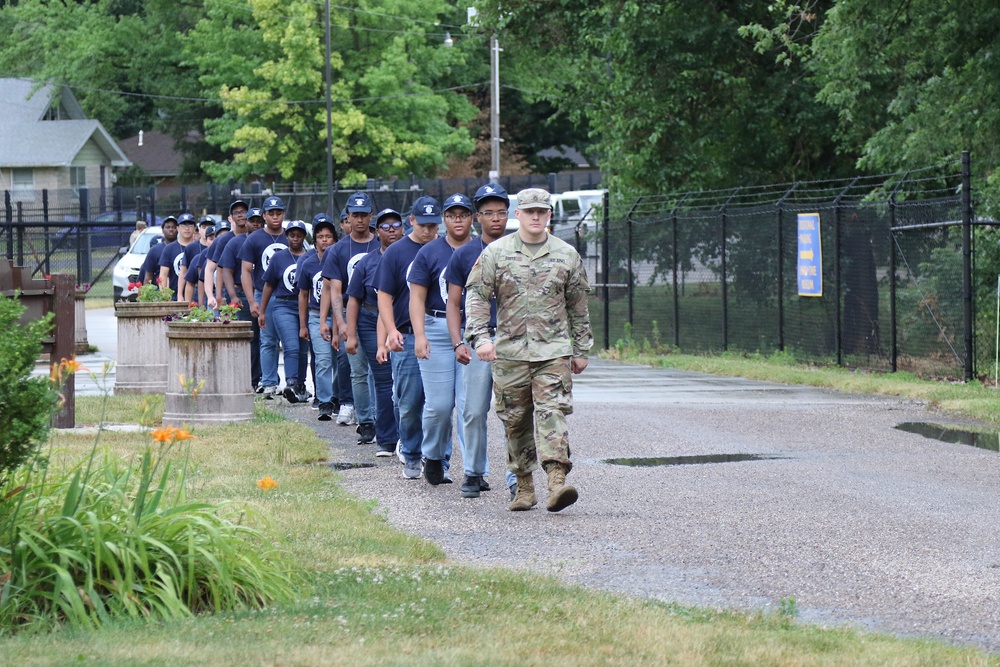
[502,213]
[464,215]
[386,226]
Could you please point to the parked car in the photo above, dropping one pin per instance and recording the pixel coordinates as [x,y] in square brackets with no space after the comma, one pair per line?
[127,269]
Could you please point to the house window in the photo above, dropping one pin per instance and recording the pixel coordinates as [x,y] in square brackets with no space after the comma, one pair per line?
[22,179]
[77,178]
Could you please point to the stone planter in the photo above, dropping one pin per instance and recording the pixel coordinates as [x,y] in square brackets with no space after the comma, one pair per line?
[82,346]
[142,346]
[218,355]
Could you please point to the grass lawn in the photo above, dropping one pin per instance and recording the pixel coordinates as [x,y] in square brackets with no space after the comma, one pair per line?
[372,595]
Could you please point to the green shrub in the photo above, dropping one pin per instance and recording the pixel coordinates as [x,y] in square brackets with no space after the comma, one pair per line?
[26,403]
[111,538]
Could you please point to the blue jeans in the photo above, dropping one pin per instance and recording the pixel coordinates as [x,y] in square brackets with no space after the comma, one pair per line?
[268,346]
[344,390]
[408,397]
[478,379]
[245,316]
[323,356]
[443,391]
[386,428]
[285,319]
[362,384]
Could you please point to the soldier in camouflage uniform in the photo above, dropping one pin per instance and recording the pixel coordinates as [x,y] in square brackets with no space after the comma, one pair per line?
[542,338]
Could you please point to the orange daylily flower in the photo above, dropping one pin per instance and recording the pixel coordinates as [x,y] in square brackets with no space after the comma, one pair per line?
[266,484]
[71,366]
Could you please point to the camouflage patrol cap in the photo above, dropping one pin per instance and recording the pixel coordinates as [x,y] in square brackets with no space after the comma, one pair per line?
[534,198]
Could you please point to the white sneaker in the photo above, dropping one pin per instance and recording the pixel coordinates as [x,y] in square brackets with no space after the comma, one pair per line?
[399,451]
[346,415]
[412,469]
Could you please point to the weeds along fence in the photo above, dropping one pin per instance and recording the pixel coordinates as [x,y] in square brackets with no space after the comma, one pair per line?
[905,277]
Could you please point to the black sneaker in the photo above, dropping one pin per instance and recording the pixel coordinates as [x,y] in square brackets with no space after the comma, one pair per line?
[325,412]
[471,486]
[483,484]
[302,393]
[366,433]
[315,404]
[434,471]
[290,395]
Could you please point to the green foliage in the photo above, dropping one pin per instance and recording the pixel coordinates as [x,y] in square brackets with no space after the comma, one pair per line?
[110,538]
[26,403]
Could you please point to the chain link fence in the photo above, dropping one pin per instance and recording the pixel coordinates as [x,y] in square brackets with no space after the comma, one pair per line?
[719,271]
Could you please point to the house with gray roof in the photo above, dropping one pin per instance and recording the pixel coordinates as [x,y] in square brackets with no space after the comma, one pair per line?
[48,143]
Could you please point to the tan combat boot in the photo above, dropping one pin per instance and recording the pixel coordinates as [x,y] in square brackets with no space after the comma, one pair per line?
[561,495]
[525,498]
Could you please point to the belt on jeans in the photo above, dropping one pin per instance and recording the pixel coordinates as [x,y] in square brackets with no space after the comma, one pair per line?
[287,298]
[406,329]
[367,306]
[436,313]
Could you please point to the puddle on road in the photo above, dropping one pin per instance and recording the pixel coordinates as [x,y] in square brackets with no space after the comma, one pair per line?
[958,436]
[690,460]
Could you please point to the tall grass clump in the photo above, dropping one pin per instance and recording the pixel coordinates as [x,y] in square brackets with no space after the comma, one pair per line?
[108,537]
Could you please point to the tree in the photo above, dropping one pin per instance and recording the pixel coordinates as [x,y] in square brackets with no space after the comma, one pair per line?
[265,61]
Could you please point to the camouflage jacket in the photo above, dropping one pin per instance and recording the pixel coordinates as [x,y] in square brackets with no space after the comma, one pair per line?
[541,301]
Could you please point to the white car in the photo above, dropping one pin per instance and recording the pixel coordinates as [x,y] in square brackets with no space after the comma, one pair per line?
[128,267]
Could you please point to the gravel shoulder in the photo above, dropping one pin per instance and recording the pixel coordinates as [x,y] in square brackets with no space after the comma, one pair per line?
[859,522]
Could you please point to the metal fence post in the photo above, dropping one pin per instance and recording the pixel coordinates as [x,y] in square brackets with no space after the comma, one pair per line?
[781,267]
[184,199]
[83,240]
[676,261]
[20,233]
[725,289]
[967,262]
[152,204]
[605,270]
[9,216]
[837,324]
[893,350]
[45,228]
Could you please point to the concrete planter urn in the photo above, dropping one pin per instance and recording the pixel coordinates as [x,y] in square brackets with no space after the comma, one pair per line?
[208,374]
[142,345]
[82,346]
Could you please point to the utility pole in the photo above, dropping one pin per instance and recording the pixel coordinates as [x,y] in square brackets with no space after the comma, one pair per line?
[329,124]
[495,109]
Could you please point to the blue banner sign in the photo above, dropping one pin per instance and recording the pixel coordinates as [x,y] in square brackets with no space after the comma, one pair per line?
[810,265]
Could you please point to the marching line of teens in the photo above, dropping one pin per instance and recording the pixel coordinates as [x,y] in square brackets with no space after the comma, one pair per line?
[405,330]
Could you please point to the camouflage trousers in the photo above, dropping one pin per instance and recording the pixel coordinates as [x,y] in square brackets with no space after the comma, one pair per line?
[532,400]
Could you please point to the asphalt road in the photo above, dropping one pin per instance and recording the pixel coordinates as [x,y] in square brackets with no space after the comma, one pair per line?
[859,522]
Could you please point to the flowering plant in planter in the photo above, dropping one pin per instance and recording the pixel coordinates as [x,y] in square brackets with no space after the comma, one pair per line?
[227,314]
[151,293]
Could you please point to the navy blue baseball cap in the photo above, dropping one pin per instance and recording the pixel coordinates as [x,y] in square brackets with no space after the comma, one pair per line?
[491,191]
[461,201]
[359,202]
[223,226]
[385,213]
[255,213]
[426,211]
[343,214]
[168,219]
[238,202]
[321,220]
[210,231]
[274,204]
[297,224]
[205,220]
[186,219]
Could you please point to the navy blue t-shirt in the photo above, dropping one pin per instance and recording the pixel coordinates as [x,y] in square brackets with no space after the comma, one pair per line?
[362,285]
[190,251]
[151,265]
[259,248]
[220,243]
[172,257]
[280,274]
[429,270]
[229,258]
[309,274]
[459,269]
[194,273]
[391,277]
[340,260]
